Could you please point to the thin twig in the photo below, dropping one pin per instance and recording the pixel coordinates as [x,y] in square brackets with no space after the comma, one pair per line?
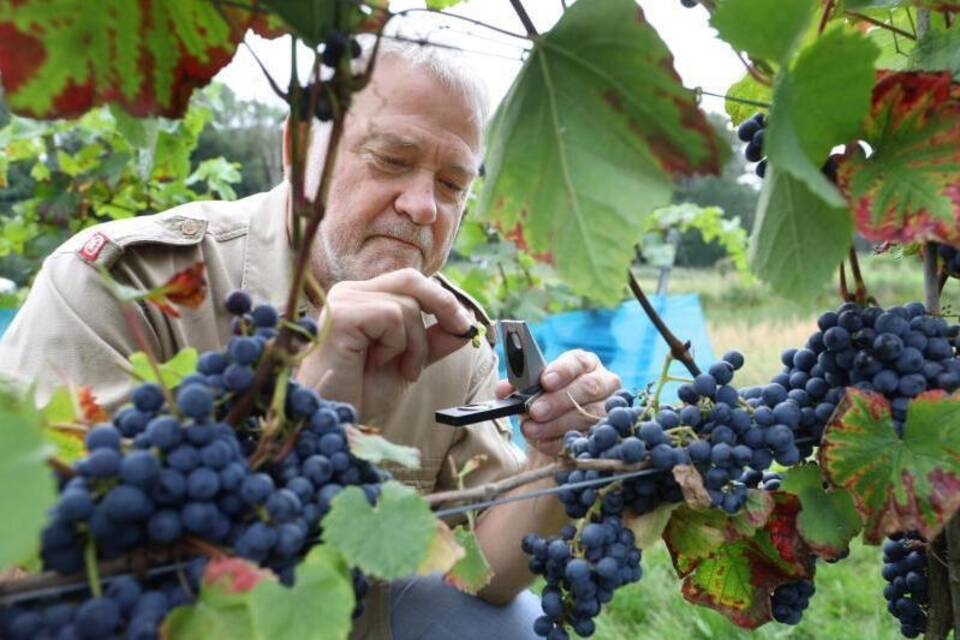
[679,350]
[825,18]
[862,295]
[753,71]
[524,18]
[931,279]
[844,292]
[283,95]
[582,411]
[880,23]
[494,489]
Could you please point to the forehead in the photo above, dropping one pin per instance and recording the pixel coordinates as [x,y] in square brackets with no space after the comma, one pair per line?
[412,104]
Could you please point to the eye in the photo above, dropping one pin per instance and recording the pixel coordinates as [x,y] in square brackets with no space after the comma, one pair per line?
[452,186]
[390,161]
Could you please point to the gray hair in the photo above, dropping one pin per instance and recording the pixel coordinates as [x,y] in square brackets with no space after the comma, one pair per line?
[448,66]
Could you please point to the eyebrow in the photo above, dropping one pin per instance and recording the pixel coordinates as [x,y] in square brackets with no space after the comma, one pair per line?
[404,143]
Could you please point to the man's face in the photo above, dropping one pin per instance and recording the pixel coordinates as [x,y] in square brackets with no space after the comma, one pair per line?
[409,153]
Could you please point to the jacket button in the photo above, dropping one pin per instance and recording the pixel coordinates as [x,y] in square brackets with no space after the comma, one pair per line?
[189,227]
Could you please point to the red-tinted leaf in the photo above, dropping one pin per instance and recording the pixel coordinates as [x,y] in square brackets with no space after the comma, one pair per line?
[188,287]
[898,484]
[234,575]
[59,58]
[731,566]
[92,411]
[909,189]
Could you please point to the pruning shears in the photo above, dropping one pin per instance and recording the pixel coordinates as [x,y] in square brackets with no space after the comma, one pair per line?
[524,362]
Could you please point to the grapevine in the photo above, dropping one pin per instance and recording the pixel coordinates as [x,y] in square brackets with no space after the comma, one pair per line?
[236,469]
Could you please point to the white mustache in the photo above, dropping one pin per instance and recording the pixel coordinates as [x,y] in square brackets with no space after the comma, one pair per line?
[416,235]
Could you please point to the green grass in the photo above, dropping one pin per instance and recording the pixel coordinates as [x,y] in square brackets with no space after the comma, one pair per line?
[849,602]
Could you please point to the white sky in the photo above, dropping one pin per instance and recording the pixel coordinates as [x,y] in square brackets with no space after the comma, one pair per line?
[700,57]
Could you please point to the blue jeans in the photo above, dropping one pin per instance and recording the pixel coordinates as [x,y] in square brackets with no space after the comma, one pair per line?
[425,608]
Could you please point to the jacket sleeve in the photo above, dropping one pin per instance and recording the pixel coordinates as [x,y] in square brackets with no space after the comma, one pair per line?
[71,329]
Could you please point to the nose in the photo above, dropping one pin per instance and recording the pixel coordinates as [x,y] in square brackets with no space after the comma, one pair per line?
[418,200]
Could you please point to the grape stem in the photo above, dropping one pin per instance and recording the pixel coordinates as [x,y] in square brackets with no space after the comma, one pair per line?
[880,23]
[524,18]
[861,294]
[827,10]
[62,468]
[588,516]
[90,564]
[679,350]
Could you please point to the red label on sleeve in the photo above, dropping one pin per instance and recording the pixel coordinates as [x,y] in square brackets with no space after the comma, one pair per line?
[92,247]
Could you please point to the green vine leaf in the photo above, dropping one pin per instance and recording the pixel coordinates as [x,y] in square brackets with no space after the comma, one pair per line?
[23,468]
[906,190]
[172,371]
[828,519]
[58,58]
[818,104]
[472,572]
[798,240]
[357,530]
[746,88]
[938,51]
[375,448]
[223,607]
[317,607]
[898,484]
[585,142]
[734,569]
[766,30]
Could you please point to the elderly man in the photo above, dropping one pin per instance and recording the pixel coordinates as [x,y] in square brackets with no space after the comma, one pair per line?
[410,150]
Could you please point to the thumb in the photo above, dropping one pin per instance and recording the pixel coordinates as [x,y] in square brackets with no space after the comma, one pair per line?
[441,343]
[503,389]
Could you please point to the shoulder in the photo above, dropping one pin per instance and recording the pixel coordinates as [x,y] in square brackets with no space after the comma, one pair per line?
[103,245]
[470,303]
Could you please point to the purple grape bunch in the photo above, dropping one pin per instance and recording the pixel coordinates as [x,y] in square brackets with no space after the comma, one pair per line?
[156,475]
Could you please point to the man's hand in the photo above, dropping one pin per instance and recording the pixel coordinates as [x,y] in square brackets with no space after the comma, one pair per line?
[576,375]
[378,343]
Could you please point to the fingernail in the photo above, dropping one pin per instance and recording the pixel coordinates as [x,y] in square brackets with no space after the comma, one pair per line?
[551,379]
[465,320]
[539,410]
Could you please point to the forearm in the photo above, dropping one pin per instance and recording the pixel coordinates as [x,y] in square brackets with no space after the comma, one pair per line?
[501,529]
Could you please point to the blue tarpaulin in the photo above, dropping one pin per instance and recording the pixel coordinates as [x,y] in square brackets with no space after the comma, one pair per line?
[6,317]
[626,341]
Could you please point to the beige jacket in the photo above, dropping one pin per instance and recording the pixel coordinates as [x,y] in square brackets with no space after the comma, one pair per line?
[71,328]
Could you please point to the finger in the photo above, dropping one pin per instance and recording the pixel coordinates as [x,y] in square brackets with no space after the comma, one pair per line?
[503,389]
[441,343]
[591,387]
[567,368]
[432,298]
[414,358]
[573,420]
[550,447]
[385,330]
